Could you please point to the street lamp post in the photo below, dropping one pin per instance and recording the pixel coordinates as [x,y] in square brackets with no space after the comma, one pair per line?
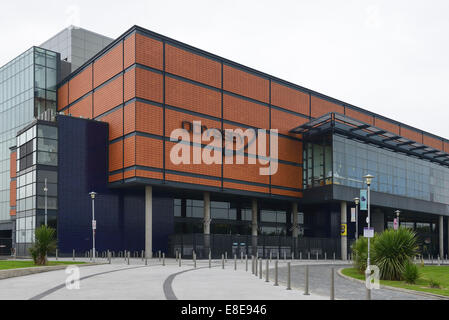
[45,191]
[368,178]
[356,200]
[94,225]
[398,212]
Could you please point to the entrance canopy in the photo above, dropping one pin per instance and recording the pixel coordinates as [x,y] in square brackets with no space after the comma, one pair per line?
[352,128]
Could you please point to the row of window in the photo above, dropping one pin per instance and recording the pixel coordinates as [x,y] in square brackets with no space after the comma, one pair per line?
[394,173]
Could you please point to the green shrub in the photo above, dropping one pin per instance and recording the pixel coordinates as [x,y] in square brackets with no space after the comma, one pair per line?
[392,251]
[45,242]
[360,253]
[434,284]
[411,273]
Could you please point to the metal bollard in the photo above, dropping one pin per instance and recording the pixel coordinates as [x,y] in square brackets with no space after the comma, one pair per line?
[246,262]
[271,255]
[325,256]
[300,255]
[110,257]
[260,268]
[285,255]
[293,256]
[222,261]
[308,255]
[252,264]
[129,253]
[306,291]
[317,256]
[56,254]
[267,276]
[438,259]
[332,293]
[194,259]
[163,258]
[289,284]
[143,254]
[256,261]
[146,261]
[226,256]
[179,259]
[368,294]
[210,261]
[276,283]
[241,256]
[73,254]
[235,262]
[159,255]
[334,256]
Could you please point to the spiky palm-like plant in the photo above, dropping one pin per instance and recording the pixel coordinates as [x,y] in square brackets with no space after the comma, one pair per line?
[45,242]
[392,250]
[360,251]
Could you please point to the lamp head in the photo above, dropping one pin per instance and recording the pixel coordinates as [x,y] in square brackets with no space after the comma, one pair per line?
[397,213]
[92,194]
[368,178]
[356,200]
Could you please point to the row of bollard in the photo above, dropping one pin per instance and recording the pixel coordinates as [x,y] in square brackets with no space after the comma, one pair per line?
[256,264]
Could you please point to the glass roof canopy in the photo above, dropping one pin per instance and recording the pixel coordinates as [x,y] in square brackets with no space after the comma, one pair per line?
[339,123]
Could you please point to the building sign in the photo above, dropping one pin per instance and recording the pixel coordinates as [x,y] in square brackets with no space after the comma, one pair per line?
[344,229]
[363,199]
[352,214]
[368,232]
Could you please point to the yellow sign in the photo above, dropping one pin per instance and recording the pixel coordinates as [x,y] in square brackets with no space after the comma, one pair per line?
[344,229]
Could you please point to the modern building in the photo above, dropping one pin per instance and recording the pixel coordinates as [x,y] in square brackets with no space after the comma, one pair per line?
[28,88]
[116,129]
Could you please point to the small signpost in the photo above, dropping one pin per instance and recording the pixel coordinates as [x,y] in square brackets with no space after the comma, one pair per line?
[368,232]
[395,224]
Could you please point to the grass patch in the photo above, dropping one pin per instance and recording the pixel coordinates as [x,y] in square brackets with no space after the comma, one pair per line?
[429,274]
[14,264]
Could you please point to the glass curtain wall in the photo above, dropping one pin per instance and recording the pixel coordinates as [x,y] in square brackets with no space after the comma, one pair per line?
[395,173]
[37,146]
[231,218]
[317,164]
[27,87]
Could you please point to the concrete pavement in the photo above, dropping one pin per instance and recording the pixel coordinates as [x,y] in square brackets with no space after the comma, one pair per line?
[152,281]
[156,282]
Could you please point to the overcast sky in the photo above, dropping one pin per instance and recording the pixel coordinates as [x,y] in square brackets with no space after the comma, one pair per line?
[390,57]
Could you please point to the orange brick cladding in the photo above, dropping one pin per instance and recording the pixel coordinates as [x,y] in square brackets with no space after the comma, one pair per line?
[110,64]
[192,97]
[108,96]
[193,81]
[80,85]
[291,99]
[245,112]
[12,164]
[245,84]
[321,107]
[149,52]
[192,66]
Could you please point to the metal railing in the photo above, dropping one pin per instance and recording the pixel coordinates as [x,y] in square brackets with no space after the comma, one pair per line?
[262,246]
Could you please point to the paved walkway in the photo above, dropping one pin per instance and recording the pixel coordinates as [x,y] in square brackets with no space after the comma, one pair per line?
[154,281]
[319,283]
